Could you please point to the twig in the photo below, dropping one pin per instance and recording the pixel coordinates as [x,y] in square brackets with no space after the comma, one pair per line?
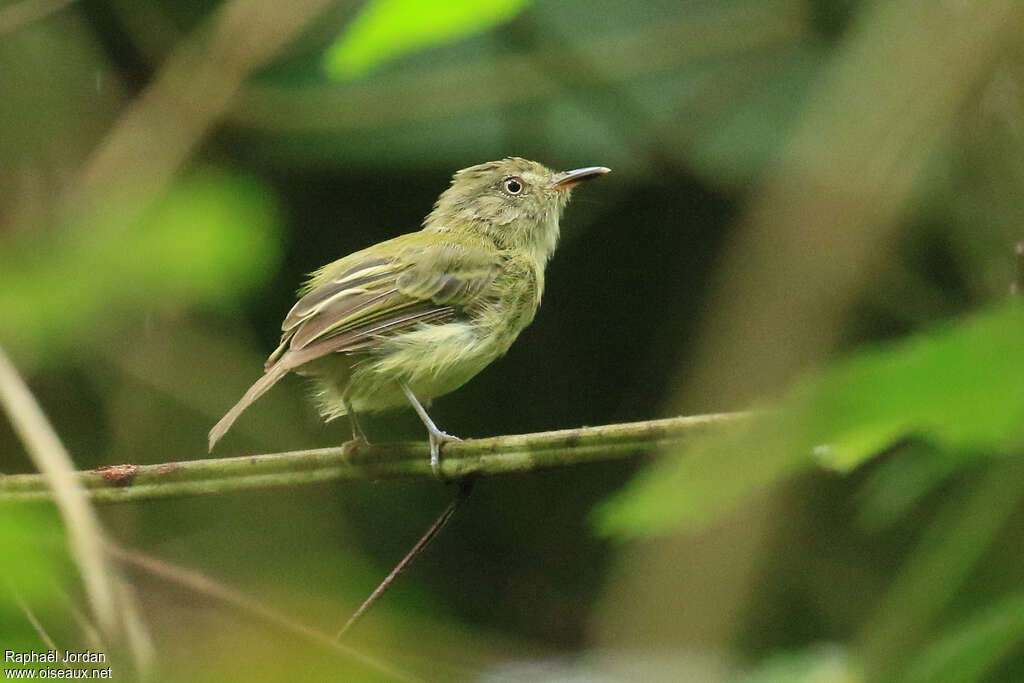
[465,488]
[30,615]
[90,634]
[139,643]
[200,583]
[496,455]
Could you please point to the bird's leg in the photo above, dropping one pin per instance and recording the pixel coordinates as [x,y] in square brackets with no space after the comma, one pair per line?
[358,435]
[436,436]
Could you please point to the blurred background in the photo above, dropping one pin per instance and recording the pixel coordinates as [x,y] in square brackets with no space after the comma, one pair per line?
[813,210]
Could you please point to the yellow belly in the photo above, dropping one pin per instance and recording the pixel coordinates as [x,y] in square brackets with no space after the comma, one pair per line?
[432,361]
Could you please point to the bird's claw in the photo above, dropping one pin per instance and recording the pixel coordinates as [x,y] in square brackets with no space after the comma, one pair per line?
[438,439]
[356,442]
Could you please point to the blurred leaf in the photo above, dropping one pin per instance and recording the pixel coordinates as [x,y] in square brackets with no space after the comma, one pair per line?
[35,569]
[387,29]
[820,664]
[960,387]
[902,481]
[711,477]
[967,653]
[211,237]
[983,171]
[32,557]
[734,145]
[956,539]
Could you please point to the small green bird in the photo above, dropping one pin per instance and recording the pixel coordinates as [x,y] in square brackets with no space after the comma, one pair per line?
[417,316]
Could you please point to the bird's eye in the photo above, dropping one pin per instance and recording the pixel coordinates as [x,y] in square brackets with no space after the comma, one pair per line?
[512,185]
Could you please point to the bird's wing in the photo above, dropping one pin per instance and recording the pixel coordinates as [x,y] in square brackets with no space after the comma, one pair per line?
[354,303]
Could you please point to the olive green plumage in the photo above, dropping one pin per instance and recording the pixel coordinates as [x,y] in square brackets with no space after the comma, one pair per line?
[424,312]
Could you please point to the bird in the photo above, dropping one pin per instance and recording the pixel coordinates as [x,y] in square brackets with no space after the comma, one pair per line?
[415,317]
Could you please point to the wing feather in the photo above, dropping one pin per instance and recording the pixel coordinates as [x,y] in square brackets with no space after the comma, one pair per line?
[355,303]
[352,281]
[339,313]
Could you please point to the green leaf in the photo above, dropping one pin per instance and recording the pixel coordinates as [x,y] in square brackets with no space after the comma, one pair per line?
[737,143]
[817,664]
[387,29]
[33,560]
[959,535]
[212,236]
[959,387]
[967,653]
[898,484]
[34,573]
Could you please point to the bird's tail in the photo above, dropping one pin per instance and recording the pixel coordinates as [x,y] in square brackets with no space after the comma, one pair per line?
[260,387]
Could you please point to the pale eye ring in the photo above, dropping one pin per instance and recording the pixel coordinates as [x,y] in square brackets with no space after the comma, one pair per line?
[512,186]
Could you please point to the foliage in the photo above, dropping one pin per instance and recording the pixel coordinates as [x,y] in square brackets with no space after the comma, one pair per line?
[210,238]
[33,567]
[387,29]
[821,664]
[968,652]
[32,561]
[960,387]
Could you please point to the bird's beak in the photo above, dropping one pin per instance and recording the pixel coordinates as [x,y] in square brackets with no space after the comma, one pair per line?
[566,180]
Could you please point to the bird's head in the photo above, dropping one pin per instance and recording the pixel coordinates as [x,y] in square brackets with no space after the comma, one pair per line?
[514,201]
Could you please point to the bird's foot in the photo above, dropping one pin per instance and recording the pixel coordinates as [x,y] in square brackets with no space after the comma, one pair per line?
[357,443]
[438,439]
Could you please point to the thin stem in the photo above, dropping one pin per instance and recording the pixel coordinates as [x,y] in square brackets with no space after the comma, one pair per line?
[30,615]
[204,585]
[89,633]
[465,488]
[362,462]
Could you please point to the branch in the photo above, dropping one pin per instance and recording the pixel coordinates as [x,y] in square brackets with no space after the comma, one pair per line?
[495,455]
